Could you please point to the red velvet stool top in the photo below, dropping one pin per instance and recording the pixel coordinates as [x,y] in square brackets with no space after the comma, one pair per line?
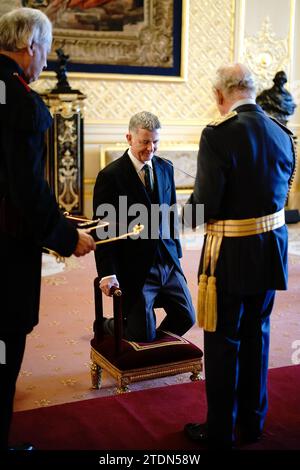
[167,348]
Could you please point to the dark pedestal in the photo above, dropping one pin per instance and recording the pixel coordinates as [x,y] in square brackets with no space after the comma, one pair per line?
[64,169]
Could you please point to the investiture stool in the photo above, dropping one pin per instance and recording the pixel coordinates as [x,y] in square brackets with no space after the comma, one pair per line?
[132,361]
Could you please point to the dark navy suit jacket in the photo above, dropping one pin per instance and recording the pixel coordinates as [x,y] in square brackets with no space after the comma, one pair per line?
[244,168]
[130,259]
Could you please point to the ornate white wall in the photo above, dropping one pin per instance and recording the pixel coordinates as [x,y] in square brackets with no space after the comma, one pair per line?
[263,33]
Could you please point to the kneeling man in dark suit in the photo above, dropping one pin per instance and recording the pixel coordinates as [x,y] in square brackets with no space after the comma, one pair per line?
[147,268]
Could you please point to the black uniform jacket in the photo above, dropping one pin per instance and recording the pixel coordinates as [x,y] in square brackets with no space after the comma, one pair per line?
[29,215]
[244,167]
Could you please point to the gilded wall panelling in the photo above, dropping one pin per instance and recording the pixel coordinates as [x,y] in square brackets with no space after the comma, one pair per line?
[265,37]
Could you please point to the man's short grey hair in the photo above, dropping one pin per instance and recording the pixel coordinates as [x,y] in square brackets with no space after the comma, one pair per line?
[235,78]
[21,27]
[144,120]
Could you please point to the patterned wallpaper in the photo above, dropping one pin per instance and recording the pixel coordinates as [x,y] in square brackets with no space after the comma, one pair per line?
[210,44]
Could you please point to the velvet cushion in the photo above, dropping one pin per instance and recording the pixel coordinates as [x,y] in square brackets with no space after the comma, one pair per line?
[167,348]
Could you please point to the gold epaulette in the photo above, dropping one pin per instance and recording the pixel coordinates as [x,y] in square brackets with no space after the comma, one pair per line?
[222,119]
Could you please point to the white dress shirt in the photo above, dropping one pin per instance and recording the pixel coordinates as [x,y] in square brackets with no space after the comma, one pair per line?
[138,165]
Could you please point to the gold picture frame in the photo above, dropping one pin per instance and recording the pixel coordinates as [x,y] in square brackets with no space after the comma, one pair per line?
[156,50]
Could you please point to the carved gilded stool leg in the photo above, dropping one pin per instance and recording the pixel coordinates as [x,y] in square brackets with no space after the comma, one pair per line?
[96,375]
[196,374]
[123,385]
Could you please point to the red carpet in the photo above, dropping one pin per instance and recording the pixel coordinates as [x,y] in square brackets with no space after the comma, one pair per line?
[153,419]
[56,367]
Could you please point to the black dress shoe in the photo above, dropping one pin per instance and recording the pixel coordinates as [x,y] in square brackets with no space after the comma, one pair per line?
[23,447]
[249,437]
[196,431]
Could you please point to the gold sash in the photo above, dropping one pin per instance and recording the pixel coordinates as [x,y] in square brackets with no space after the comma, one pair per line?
[216,230]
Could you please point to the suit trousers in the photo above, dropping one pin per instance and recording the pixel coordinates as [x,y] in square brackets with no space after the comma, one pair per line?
[236,365]
[166,283]
[14,342]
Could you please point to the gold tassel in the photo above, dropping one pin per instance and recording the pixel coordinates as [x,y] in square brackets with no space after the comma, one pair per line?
[210,321]
[202,289]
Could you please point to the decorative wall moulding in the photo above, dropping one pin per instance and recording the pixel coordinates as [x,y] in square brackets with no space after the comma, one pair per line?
[266,54]
[266,45]
[182,156]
